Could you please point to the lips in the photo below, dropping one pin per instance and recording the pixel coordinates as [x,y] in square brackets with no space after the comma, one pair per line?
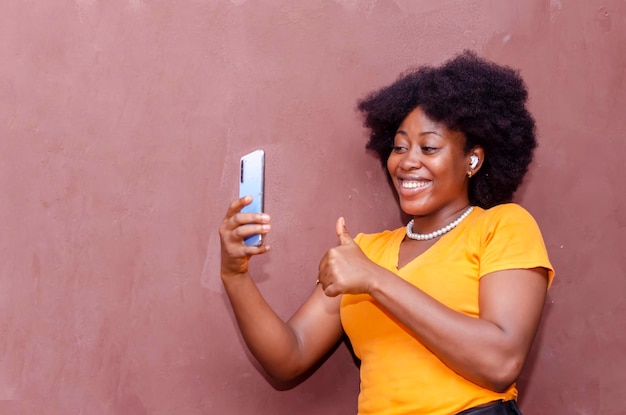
[413,184]
[411,187]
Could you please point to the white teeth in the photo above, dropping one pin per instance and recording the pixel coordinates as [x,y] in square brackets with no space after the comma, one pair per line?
[413,184]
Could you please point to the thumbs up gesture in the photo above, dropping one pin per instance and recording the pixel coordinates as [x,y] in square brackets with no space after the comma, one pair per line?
[342,233]
[345,269]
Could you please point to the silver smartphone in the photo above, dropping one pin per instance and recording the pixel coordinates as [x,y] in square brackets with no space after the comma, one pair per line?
[252,183]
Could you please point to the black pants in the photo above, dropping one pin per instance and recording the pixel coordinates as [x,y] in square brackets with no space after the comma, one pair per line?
[494,408]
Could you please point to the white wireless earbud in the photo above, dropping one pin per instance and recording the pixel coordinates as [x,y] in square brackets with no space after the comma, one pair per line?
[473,161]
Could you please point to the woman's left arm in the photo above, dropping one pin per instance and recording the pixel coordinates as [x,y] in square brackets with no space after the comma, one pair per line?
[489,350]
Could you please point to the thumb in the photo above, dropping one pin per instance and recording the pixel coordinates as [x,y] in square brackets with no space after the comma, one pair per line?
[342,232]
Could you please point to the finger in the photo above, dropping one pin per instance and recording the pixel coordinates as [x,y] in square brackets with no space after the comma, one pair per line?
[342,232]
[256,250]
[236,206]
[245,219]
[243,232]
[330,291]
[244,251]
[242,225]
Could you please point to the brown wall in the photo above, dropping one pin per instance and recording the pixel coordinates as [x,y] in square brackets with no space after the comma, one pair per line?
[121,123]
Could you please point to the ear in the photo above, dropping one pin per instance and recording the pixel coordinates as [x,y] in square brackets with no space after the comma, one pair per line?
[475,159]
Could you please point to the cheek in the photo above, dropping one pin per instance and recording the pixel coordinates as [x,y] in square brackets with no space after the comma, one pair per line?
[392,163]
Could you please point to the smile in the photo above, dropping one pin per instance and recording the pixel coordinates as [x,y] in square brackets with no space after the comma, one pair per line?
[413,184]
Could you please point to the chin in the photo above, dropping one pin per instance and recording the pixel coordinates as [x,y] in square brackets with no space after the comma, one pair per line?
[412,210]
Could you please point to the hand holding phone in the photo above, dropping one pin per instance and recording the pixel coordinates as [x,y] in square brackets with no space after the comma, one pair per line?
[252,183]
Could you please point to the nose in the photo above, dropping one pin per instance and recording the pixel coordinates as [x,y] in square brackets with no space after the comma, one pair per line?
[411,160]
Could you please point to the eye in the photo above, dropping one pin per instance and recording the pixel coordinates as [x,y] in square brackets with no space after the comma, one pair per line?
[398,149]
[429,149]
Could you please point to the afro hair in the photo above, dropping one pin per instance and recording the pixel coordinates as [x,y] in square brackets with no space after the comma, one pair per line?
[483,100]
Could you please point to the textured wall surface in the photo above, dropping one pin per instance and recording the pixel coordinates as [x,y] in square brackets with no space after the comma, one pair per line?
[121,124]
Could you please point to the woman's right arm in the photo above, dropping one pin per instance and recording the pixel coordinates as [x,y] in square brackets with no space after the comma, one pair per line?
[284,349]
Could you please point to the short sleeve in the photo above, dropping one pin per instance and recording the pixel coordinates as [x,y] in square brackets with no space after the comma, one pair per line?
[510,239]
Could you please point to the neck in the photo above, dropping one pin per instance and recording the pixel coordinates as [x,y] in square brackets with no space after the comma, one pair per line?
[439,219]
[414,232]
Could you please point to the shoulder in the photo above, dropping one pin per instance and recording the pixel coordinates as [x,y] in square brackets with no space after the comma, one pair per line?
[509,238]
[506,221]
[506,214]
[372,240]
[507,210]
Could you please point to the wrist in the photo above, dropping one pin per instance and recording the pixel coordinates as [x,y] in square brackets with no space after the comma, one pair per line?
[228,274]
[376,282]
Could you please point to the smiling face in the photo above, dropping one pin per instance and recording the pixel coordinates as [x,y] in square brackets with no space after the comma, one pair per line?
[429,168]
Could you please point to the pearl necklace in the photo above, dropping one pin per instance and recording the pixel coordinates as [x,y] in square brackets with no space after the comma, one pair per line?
[433,235]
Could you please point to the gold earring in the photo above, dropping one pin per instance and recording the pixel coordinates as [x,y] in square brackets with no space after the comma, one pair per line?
[469,174]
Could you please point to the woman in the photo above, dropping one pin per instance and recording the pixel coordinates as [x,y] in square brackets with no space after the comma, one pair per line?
[441,313]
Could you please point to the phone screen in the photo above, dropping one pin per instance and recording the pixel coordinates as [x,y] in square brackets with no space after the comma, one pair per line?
[251,183]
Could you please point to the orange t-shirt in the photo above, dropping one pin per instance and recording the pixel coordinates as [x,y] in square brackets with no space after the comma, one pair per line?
[399,375]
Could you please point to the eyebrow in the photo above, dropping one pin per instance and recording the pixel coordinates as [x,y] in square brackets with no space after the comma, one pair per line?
[420,134]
